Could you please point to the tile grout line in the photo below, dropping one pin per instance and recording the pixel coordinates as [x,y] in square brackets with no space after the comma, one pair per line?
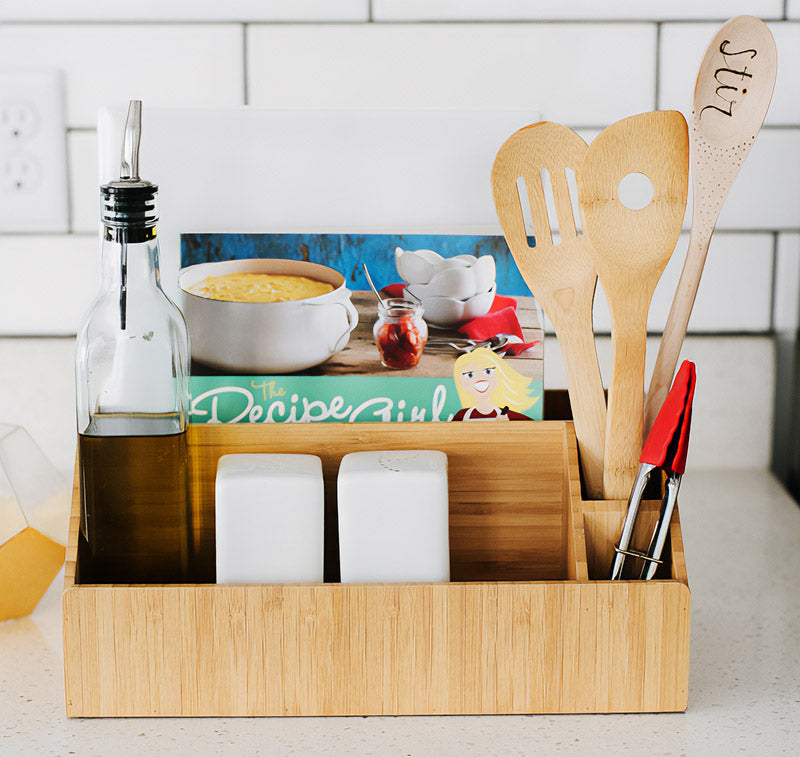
[774,277]
[245,91]
[574,127]
[69,168]
[545,21]
[388,22]
[657,88]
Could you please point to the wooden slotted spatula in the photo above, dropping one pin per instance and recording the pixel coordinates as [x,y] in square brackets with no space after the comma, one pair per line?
[731,98]
[631,249]
[559,273]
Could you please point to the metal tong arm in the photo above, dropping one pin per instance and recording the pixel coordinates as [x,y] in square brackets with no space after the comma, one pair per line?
[622,550]
[659,538]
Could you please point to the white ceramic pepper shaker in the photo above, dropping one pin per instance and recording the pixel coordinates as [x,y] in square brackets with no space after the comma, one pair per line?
[393,517]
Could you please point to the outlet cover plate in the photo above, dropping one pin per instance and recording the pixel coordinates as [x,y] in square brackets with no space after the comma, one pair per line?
[33,154]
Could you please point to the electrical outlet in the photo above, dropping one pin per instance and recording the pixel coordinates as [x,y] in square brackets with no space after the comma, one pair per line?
[33,153]
[20,173]
[18,120]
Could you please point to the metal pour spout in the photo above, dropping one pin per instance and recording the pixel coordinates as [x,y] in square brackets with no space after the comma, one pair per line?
[128,171]
[129,165]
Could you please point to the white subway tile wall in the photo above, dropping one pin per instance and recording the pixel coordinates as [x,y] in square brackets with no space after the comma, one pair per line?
[682,47]
[187,11]
[458,66]
[110,63]
[37,391]
[47,281]
[538,55]
[589,10]
[732,412]
[787,283]
[84,180]
[766,194]
[335,170]
[740,267]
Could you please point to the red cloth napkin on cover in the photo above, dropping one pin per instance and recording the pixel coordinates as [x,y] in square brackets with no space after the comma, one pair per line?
[501,319]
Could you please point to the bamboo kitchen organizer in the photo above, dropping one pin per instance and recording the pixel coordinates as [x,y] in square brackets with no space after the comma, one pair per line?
[528,623]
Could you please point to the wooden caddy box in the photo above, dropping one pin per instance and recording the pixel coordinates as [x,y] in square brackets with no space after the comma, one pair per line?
[528,623]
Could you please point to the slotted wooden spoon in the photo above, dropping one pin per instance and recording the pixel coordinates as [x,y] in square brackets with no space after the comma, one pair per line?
[731,98]
[560,275]
[630,250]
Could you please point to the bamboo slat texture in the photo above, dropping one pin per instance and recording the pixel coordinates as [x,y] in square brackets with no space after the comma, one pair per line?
[527,625]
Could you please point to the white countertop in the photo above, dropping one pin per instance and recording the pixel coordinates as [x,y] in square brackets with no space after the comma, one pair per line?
[742,539]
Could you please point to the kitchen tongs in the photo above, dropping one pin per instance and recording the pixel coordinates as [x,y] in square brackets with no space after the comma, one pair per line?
[665,448]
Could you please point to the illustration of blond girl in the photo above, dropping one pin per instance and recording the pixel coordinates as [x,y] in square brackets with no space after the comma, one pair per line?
[489,389]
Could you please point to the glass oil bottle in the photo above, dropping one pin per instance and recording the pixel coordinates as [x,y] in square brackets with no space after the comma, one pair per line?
[132,367]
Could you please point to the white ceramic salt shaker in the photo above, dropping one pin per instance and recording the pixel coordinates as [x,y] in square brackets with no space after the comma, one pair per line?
[393,517]
[269,518]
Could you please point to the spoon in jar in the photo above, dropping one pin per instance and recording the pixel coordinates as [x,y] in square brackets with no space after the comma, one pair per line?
[372,286]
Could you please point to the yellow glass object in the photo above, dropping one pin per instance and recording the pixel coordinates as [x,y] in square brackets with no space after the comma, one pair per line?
[34,510]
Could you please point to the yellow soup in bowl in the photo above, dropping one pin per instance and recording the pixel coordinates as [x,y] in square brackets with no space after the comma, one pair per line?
[259,287]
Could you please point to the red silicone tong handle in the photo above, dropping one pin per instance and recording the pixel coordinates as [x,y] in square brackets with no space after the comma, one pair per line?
[672,424]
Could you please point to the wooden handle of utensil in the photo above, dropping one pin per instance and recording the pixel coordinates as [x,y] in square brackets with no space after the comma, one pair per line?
[625,407]
[586,398]
[677,322]
[722,136]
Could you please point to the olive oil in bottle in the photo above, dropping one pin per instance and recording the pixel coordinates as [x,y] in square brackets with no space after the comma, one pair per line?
[132,367]
[136,518]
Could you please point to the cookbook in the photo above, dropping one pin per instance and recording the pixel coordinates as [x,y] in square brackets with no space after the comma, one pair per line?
[354,383]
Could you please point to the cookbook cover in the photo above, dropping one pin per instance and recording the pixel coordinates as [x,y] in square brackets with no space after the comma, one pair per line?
[475,365]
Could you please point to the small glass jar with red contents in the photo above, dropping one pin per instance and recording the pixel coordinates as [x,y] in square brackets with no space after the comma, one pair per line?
[400,333]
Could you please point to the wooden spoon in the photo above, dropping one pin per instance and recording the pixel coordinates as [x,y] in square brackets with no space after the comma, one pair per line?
[731,98]
[561,276]
[630,250]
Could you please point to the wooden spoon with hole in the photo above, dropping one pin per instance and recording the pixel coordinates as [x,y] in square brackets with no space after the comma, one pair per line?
[731,98]
[560,274]
[631,249]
